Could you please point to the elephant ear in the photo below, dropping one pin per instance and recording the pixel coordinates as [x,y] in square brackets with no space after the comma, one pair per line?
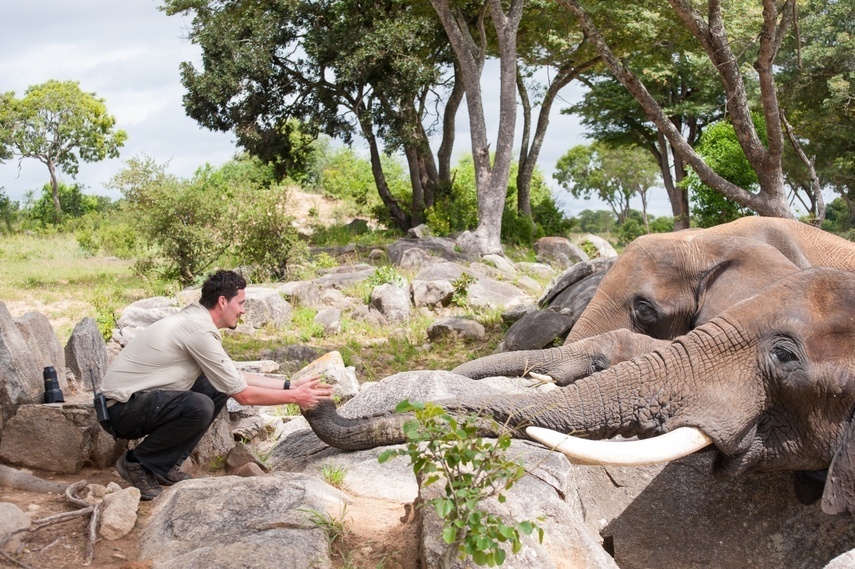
[839,494]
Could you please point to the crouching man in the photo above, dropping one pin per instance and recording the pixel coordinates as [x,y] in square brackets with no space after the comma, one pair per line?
[171,381]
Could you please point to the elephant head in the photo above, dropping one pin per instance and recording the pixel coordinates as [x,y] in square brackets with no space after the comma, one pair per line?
[770,381]
[663,285]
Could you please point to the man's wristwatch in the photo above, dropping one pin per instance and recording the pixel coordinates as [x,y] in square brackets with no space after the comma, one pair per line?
[287,384]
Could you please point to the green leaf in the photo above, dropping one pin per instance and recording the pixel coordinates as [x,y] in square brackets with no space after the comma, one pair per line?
[449,534]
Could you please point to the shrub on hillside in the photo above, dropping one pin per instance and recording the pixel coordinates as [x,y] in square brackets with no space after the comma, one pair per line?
[265,235]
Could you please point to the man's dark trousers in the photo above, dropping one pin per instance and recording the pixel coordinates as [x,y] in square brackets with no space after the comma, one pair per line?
[172,422]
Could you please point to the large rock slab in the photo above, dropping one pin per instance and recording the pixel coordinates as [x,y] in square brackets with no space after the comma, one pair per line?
[42,341]
[246,523]
[265,306]
[679,515]
[537,330]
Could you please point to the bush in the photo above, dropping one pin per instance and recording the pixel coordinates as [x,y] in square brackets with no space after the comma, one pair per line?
[456,208]
[41,213]
[111,234]
[265,235]
[448,449]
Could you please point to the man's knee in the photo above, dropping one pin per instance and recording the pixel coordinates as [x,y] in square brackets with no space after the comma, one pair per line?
[200,407]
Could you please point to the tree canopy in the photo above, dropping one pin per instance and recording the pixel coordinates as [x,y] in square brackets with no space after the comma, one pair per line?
[59,125]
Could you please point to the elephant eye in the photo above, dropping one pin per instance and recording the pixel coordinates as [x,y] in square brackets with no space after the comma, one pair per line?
[644,312]
[784,351]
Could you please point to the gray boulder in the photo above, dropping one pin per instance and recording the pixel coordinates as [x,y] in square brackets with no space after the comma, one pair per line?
[464,328]
[236,522]
[265,306]
[21,380]
[489,293]
[558,251]
[603,247]
[392,301]
[42,341]
[329,319]
[431,293]
[86,354]
[537,330]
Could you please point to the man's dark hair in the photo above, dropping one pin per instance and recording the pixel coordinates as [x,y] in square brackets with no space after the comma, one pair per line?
[221,283]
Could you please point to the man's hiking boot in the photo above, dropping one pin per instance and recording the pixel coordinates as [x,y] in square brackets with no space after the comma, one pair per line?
[174,476]
[140,477]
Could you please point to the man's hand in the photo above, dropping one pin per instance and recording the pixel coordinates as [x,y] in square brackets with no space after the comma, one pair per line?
[310,392]
[304,380]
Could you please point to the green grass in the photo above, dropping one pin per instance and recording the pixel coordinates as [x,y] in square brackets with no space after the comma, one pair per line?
[51,274]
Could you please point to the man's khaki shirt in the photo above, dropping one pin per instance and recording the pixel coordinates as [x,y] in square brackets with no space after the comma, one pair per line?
[170,355]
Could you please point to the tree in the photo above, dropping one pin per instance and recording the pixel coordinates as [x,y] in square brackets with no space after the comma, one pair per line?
[492,169]
[613,175]
[817,89]
[712,34]
[59,125]
[682,82]
[549,39]
[720,149]
[341,68]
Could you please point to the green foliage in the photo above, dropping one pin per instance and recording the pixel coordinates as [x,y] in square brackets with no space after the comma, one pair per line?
[613,175]
[188,222]
[661,224]
[816,87]
[73,203]
[597,222]
[58,124]
[445,448]
[8,212]
[334,475]
[838,217]
[720,149]
[456,208]
[303,320]
[190,225]
[107,234]
[461,285]
[385,274]
[265,234]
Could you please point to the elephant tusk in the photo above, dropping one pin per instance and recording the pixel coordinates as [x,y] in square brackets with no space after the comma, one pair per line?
[663,448]
[541,377]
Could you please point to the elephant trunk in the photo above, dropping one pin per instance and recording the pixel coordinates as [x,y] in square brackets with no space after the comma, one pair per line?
[647,396]
[512,364]
[577,409]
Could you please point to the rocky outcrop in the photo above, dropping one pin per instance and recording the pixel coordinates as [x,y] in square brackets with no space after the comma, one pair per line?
[232,521]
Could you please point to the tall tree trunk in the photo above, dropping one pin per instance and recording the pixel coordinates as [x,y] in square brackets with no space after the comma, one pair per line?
[449,116]
[54,186]
[529,155]
[523,182]
[678,198]
[771,199]
[398,214]
[491,176]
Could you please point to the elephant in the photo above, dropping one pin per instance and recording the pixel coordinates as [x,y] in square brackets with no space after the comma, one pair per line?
[770,382]
[664,284]
[661,287]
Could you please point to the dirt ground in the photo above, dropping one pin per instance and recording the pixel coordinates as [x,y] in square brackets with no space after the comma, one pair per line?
[377,533]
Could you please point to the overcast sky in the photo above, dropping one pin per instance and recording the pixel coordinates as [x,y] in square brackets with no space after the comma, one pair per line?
[128,52]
